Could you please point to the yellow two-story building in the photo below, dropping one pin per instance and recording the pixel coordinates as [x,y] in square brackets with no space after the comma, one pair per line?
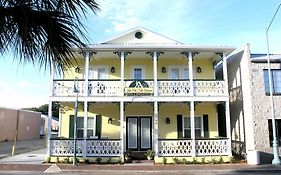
[139,91]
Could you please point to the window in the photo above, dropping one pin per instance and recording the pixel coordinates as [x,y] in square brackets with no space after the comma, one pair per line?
[278,131]
[102,73]
[187,127]
[178,72]
[90,127]
[137,73]
[276,81]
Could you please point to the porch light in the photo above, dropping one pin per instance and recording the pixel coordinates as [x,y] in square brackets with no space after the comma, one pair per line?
[112,70]
[109,120]
[168,121]
[199,70]
[163,69]
[77,70]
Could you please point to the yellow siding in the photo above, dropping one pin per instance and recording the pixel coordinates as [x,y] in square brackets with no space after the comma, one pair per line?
[106,110]
[206,66]
[166,131]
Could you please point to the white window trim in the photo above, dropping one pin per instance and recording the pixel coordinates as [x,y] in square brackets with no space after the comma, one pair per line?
[94,129]
[202,125]
[96,67]
[138,66]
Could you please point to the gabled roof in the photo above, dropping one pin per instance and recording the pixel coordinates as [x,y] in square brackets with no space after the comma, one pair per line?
[140,35]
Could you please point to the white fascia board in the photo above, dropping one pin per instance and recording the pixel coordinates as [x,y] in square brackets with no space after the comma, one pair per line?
[142,99]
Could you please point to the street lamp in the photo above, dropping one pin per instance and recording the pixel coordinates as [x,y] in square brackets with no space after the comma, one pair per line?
[276,160]
[75,90]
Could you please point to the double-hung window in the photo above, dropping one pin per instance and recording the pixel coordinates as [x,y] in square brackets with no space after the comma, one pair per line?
[278,130]
[276,81]
[187,127]
[90,127]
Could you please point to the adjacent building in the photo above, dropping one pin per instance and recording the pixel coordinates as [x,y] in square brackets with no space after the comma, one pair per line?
[250,107]
[141,90]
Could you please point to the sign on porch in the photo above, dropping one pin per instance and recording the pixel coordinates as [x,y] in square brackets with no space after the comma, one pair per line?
[139,87]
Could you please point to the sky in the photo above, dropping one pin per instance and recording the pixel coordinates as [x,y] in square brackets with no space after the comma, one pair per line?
[206,22]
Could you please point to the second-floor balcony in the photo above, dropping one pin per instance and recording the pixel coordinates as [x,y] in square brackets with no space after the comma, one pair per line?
[109,88]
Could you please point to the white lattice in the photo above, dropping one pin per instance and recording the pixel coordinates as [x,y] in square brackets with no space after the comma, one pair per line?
[65,147]
[209,88]
[174,88]
[65,88]
[212,147]
[175,147]
[102,88]
[103,147]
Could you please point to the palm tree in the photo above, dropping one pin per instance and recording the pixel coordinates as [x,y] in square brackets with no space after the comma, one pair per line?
[44,31]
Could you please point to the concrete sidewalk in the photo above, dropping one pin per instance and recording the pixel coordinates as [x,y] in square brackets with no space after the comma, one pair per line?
[21,146]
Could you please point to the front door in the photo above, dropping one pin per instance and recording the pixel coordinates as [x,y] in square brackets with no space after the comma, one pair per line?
[138,137]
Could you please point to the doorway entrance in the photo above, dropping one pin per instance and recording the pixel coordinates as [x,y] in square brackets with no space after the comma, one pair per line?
[138,133]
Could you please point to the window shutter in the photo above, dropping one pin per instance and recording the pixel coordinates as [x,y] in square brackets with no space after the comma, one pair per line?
[179,125]
[71,126]
[98,126]
[206,125]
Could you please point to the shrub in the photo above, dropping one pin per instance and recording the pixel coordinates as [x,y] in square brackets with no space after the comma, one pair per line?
[220,160]
[164,160]
[98,160]
[176,160]
[184,161]
[203,160]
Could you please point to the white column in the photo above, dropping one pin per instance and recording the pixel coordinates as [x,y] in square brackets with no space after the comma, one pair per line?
[86,89]
[122,126]
[155,128]
[87,60]
[122,59]
[155,73]
[192,127]
[50,110]
[190,71]
[227,112]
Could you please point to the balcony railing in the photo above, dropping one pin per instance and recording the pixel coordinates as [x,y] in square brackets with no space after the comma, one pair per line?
[65,87]
[141,87]
[104,88]
[203,147]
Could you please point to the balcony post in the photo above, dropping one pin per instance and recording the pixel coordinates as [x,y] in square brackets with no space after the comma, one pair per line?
[155,129]
[122,58]
[87,57]
[227,112]
[122,127]
[155,73]
[192,128]
[190,68]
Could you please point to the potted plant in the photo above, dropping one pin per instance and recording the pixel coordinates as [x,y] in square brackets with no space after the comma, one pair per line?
[127,155]
[149,154]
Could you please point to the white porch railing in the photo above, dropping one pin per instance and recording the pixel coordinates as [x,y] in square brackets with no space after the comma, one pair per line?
[203,147]
[174,88]
[65,87]
[105,88]
[209,88]
[175,147]
[106,147]
[143,87]
[212,147]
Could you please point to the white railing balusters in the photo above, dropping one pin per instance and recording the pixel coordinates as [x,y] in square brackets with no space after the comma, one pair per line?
[104,88]
[204,147]
[174,88]
[64,147]
[209,88]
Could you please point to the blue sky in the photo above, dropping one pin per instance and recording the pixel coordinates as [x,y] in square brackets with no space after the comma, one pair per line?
[206,22]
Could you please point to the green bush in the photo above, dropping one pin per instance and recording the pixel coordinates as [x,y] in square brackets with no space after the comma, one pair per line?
[98,160]
[176,160]
[164,160]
